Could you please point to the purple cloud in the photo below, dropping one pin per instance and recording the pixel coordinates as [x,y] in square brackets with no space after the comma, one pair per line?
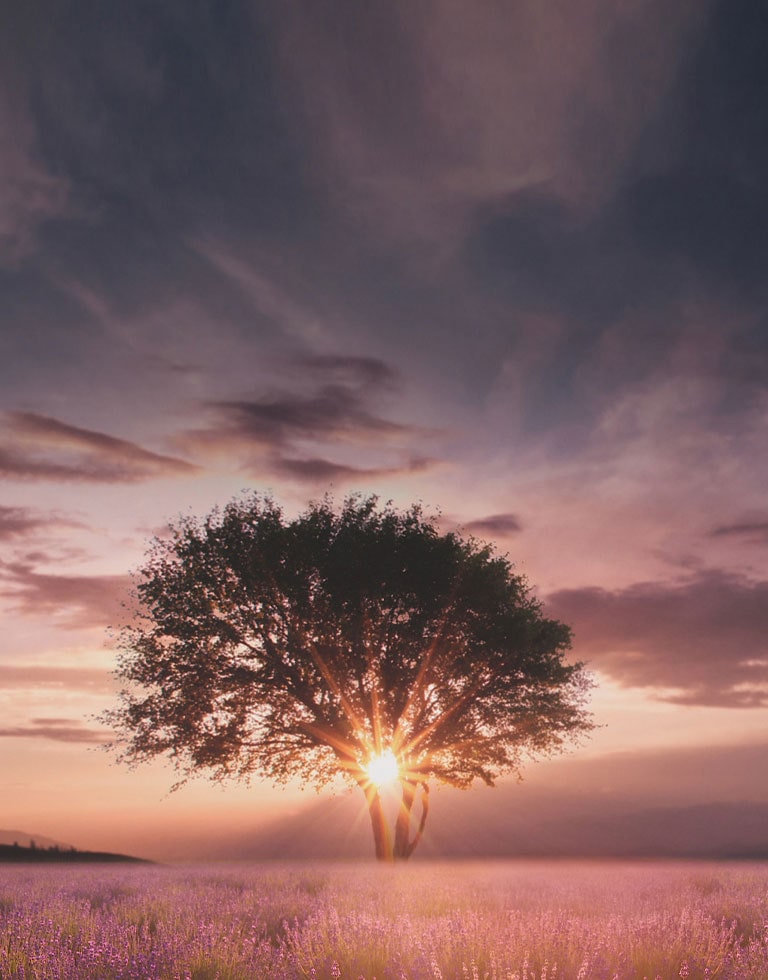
[334,412]
[271,434]
[316,470]
[495,525]
[38,447]
[57,730]
[752,532]
[18,522]
[702,641]
[85,601]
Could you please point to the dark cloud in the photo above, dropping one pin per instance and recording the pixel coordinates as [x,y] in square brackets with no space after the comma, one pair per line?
[193,80]
[701,198]
[130,135]
[38,447]
[495,525]
[57,730]
[705,639]
[674,251]
[339,408]
[271,433]
[593,192]
[753,532]
[56,678]
[161,122]
[264,128]
[334,412]
[317,470]
[83,601]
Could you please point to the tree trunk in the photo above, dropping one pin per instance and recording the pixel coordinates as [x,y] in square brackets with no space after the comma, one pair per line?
[381,837]
[404,846]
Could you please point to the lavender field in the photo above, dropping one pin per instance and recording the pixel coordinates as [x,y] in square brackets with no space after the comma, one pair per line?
[502,921]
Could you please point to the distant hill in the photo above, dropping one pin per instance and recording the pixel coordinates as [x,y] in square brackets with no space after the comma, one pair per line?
[50,855]
[17,845]
[24,839]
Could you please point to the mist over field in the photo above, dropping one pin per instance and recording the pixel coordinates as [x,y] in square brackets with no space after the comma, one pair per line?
[677,802]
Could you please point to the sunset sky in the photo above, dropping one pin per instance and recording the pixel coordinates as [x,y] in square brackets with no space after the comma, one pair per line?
[507,259]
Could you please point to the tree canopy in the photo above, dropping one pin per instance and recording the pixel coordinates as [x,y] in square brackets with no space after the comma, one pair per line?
[356,640]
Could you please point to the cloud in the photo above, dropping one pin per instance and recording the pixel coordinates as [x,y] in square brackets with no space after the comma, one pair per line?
[38,447]
[359,371]
[14,677]
[282,432]
[470,104]
[495,525]
[702,641]
[83,601]
[337,409]
[334,412]
[702,206]
[21,521]
[57,730]
[29,193]
[316,470]
[752,532]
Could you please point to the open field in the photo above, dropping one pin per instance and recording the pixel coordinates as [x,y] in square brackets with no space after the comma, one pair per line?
[505,921]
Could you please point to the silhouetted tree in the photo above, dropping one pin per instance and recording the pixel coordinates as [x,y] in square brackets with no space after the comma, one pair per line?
[357,641]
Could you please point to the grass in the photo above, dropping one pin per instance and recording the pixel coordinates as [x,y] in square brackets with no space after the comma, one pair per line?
[489,921]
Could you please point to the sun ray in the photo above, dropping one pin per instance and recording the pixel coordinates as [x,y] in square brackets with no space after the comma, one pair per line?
[447,715]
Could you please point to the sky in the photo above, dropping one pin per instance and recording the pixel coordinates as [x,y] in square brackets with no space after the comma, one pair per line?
[507,260]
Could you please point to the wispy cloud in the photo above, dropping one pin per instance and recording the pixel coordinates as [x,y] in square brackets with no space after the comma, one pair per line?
[283,432]
[29,193]
[751,532]
[38,447]
[495,525]
[56,730]
[360,371]
[700,641]
[35,677]
[334,412]
[82,601]
[316,470]
[465,109]
[19,522]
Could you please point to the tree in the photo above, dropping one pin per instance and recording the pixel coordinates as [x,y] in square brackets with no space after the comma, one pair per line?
[357,641]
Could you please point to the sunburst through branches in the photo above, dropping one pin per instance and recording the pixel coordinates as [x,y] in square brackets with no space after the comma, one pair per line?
[383,769]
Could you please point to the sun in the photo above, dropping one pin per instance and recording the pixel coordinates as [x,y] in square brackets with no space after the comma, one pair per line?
[383,769]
